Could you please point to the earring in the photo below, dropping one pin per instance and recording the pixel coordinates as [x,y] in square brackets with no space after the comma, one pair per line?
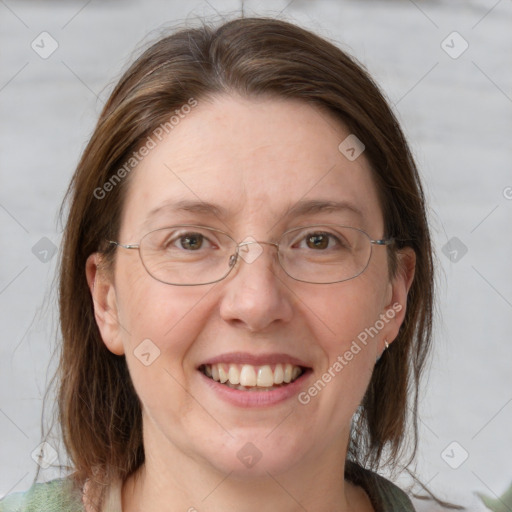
[386,347]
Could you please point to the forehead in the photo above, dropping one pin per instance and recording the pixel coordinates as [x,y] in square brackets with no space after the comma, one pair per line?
[250,161]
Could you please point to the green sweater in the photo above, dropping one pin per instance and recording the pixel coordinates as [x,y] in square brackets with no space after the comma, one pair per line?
[59,496]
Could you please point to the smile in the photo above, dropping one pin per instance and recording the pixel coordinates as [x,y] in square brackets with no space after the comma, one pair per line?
[246,377]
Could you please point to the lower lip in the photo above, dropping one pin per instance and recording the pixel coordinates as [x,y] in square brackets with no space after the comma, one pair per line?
[257,398]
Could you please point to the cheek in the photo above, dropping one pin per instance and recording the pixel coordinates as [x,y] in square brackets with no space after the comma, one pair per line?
[346,330]
[146,307]
[160,324]
[346,311]
[170,317]
[343,332]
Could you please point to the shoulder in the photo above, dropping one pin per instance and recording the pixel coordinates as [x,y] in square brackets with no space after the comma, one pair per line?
[59,495]
[384,494]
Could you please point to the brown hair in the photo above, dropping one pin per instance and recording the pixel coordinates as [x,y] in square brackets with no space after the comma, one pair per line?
[99,411]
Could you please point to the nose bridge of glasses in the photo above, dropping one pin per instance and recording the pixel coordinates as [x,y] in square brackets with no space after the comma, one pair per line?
[249,250]
[258,242]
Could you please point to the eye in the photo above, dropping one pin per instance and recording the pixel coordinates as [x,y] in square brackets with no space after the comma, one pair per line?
[192,241]
[187,241]
[319,240]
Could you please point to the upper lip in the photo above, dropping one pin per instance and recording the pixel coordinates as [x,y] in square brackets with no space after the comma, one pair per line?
[254,360]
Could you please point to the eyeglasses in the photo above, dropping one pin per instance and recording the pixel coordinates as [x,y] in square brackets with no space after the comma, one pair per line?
[190,255]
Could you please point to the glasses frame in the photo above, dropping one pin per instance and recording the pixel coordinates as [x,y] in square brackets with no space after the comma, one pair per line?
[383,242]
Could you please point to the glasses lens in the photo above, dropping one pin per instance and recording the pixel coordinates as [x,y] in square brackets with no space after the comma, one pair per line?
[324,253]
[187,255]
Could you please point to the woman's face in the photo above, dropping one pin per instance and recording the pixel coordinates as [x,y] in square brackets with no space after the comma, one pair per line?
[245,167]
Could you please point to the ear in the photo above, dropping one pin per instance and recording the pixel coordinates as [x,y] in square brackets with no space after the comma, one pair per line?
[105,305]
[396,300]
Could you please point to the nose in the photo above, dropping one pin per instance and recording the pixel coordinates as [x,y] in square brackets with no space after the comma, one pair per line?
[256,295]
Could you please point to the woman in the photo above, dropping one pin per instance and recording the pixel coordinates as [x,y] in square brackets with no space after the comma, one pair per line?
[246,285]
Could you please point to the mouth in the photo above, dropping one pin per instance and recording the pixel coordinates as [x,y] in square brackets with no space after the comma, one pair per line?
[248,377]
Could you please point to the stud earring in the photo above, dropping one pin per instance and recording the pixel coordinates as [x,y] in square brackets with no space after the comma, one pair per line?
[386,347]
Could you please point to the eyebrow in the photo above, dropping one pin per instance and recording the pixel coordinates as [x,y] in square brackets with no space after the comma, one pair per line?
[304,207]
[299,209]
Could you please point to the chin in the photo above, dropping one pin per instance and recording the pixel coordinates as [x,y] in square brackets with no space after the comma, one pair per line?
[246,457]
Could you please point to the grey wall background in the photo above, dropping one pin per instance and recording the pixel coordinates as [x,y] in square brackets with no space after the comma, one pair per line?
[455,105]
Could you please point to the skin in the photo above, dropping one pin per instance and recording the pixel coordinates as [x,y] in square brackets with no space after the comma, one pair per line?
[255,158]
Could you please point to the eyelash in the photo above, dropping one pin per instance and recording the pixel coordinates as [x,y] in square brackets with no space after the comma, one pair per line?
[303,238]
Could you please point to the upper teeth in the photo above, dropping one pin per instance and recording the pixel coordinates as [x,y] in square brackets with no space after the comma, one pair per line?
[248,375]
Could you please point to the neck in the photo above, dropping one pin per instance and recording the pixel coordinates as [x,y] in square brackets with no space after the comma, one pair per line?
[176,481]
